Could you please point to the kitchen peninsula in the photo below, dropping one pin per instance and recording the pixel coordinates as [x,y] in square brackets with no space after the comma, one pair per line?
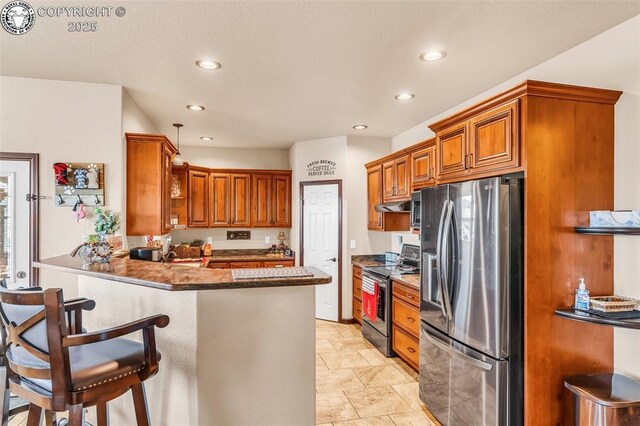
[223,350]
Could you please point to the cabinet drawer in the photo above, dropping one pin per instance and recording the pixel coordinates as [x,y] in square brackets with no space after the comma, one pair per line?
[406,346]
[278,264]
[357,310]
[406,316]
[357,272]
[245,265]
[218,265]
[357,288]
[407,294]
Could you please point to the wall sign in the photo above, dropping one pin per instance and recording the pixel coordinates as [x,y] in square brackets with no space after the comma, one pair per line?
[321,168]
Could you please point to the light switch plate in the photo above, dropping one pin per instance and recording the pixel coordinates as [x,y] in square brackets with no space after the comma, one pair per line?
[398,240]
[267,240]
[352,244]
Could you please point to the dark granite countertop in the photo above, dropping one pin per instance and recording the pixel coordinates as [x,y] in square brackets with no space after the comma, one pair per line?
[173,277]
[411,280]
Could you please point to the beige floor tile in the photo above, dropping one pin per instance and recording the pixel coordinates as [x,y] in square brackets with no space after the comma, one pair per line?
[407,371]
[324,346]
[320,365]
[350,343]
[380,375]
[375,357]
[410,393]
[344,359]
[333,407]
[377,401]
[329,424]
[337,380]
[328,333]
[325,324]
[413,418]
[369,421]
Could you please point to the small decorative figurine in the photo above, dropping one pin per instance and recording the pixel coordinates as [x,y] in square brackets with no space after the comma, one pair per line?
[62,173]
[92,177]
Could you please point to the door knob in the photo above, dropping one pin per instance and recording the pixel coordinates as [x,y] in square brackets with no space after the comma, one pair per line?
[21,275]
[333,259]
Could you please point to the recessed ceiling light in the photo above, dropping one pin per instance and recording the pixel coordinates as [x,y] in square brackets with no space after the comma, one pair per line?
[208,65]
[195,107]
[206,138]
[433,55]
[404,96]
[360,126]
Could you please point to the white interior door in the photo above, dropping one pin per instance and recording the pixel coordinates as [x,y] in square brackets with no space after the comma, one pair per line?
[15,228]
[321,212]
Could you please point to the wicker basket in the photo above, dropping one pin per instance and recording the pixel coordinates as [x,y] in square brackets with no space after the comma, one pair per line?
[612,303]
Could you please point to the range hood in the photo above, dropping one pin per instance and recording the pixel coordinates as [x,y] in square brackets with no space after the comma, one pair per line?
[394,207]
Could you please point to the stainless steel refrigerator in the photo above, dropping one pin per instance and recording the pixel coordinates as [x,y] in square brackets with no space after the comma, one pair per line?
[471,331]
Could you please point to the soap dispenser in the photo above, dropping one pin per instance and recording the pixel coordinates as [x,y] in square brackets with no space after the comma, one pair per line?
[582,296]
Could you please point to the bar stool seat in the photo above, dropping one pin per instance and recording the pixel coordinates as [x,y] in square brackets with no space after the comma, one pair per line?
[91,365]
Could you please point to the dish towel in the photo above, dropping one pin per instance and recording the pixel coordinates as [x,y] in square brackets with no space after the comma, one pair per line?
[370,292]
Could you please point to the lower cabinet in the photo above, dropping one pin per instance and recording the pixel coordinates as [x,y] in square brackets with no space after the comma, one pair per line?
[406,323]
[357,294]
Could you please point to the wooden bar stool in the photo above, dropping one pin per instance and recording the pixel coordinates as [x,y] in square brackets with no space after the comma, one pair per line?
[56,367]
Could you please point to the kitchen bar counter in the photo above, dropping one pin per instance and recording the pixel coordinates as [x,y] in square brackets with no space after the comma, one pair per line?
[248,342]
[174,277]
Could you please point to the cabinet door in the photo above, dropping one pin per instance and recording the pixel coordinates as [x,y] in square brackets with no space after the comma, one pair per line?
[261,187]
[240,200]
[493,139]
[198,199]
[245,265]
[279,264]
[218,265]
[402,177]
[220,200]
[423,167]
[281,202]
[451,147]
[388,180]
[374,194]
[166,190]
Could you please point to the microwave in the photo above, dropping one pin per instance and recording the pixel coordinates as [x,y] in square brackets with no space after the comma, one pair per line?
[415,209]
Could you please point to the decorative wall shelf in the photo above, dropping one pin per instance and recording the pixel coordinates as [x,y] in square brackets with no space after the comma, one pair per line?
[607,231]
[575,315]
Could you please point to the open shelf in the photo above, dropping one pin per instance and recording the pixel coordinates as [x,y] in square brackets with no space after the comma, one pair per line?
[607,231]
[575,315]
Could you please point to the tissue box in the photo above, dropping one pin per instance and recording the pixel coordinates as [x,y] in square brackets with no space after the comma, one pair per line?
[614,219]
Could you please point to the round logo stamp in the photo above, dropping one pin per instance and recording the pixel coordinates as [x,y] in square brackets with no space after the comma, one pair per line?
[17,17]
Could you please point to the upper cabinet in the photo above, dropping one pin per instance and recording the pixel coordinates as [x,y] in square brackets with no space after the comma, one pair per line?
[148,184]
[219,199]
[240,199]
[423,165]
[198,198]
[482,144]
[396,179]
[374,191]
[271,199]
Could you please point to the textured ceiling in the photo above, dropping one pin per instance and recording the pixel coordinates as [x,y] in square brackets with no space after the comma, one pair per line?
[303,70]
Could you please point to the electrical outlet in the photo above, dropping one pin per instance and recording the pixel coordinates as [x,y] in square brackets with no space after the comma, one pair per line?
[267,240]
[352,244]
[398,240]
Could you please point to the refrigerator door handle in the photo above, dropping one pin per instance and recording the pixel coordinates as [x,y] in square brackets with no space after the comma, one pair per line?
[444,262]
[445,206]
[473,361]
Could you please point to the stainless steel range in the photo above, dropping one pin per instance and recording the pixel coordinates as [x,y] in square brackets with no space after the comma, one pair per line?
[376,285]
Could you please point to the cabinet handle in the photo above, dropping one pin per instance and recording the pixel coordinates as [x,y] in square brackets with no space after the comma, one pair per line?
[410,296]
[411,350]
[410,319]
[471,160]
[466,156]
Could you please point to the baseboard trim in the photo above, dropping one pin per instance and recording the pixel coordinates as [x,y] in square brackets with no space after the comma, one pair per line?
[347,321]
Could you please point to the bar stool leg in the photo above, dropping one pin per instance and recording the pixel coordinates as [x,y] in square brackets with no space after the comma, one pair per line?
[102,409]
[49,418]
[140,404]
[76,415]
[35,415]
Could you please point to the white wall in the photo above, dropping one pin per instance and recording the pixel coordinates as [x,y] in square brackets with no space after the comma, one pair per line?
[234,158]
[64,122]
[610,60]
[349,154]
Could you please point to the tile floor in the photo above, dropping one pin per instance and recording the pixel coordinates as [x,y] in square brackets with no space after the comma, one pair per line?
[358,386]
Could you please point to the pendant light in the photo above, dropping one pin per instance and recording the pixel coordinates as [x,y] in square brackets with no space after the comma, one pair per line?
[177,159]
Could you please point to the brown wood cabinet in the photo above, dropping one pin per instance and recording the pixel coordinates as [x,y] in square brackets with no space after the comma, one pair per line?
[357,294]
[240,199]
[198,198]
[252,264]
[405,314]
[423,166]
[279,263]
[148,184]
[377,221]
[271,199]
[396,179]
[484,144]
[220,199]
[179,201]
